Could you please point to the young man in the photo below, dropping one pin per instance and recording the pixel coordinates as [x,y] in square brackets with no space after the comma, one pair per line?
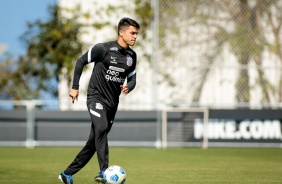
[114,61]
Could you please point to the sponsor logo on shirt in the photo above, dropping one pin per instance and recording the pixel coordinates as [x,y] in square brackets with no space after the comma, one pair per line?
[116,69]
[114,48]
[113,60]
[113,74]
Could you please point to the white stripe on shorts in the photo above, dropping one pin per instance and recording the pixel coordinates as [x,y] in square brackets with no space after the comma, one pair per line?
[95,113]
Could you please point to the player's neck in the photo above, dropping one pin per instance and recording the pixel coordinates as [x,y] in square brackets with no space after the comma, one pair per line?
[122,43]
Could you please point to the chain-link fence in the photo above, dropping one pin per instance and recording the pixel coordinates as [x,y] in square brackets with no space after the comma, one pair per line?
[220,52]
[198,52]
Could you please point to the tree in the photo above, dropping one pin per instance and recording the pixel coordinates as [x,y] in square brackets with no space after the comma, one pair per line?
[52,48]
[16,80]
[274,20]
[243,25]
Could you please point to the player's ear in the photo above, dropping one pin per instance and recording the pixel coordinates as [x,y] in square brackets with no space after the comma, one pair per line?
[121,32]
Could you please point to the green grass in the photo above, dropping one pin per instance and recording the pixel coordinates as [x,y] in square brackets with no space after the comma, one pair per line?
[147,165]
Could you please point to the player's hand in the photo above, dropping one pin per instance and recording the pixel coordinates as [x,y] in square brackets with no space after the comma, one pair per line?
[124,89]
[74,95]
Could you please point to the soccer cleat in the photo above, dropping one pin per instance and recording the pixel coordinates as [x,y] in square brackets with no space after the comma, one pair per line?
[66,179]
[100,177]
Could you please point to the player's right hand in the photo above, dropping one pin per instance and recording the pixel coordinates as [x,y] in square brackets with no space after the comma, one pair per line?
[74,95]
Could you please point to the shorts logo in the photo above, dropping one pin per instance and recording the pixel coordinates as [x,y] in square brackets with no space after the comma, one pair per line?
[99,106]
[129,61]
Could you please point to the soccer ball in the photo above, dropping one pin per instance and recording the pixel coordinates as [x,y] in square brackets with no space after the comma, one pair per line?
[114,175]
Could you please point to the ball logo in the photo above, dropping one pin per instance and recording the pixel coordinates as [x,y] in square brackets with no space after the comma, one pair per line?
[114,177]
[129,61]
[122,171]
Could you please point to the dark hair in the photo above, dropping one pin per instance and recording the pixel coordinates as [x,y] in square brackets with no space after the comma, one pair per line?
[126,22]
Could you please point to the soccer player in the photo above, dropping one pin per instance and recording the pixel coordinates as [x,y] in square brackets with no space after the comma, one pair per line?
[115,63]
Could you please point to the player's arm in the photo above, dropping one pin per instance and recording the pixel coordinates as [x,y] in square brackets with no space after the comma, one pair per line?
[131,83]
[96,53]
[131,78]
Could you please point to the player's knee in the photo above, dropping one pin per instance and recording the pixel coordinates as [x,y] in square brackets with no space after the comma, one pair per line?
[101,129]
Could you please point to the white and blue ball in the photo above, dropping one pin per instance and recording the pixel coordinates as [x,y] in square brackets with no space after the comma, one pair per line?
[114,175]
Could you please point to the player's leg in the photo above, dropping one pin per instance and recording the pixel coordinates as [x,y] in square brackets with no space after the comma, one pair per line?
[102,129]
[110,118]
[84,155]
[101,132]
[81,159]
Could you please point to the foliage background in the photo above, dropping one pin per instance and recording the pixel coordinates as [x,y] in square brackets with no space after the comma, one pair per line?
[210,52]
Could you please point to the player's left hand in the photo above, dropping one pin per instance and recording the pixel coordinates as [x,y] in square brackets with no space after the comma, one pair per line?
[124,89]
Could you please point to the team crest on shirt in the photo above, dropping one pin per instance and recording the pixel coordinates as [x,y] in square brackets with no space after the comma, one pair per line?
[129,61]
[99,106]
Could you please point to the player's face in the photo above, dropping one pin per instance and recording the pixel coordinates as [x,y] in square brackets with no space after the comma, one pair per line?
[129,35]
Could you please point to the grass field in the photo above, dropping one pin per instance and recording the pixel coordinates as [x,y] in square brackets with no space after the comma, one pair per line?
[147,165]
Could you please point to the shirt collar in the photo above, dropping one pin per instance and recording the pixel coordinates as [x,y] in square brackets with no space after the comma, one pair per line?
[121,49]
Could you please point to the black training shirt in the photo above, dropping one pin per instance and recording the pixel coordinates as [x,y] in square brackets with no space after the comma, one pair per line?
[113,64]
